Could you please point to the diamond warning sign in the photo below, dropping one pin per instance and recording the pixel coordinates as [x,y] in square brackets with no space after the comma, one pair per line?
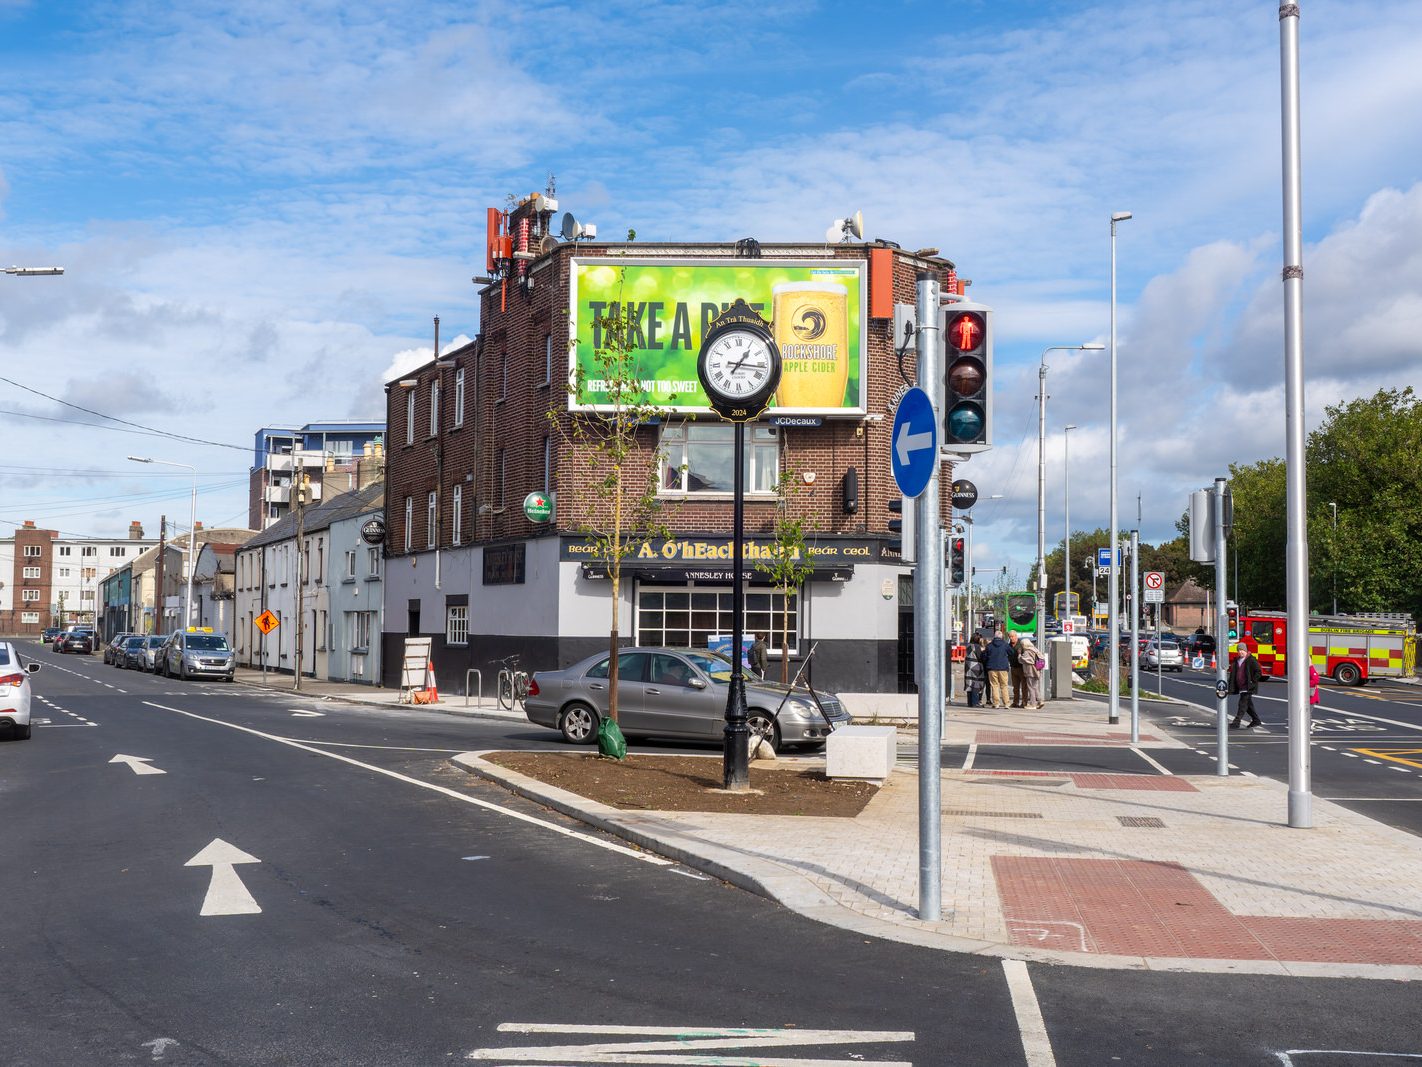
[267,622]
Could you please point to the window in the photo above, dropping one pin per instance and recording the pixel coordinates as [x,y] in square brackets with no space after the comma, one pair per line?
[547,465]
[456,625]
[29,616]
[118,551]
[372,562]
[29,596]
[504,374]
[321,631]
[682,617]
[86,594]
[503,469]
[547,358]
[360,630]
[306,561]
[350,563]
[434,407]
[456,523]
[459,397]
[63,572]
[90,550]
[88,574]
[320,558]
[34,550]
[409,522]
[431,519]
[34,572]
[697,458]
[409,416]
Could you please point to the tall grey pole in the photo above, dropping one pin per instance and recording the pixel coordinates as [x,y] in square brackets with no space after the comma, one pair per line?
[1041,635]
[1113,584]
[1066,514]
[972,626]
[928,627]
[1296,583]
[1222,642]
[1135,637]
[192,548]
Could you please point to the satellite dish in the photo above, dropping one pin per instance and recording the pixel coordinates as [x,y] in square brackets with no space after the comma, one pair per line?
[844,229]
[547,245]
[571,229]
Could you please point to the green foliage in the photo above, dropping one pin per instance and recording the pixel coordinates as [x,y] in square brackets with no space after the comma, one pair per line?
[790,562]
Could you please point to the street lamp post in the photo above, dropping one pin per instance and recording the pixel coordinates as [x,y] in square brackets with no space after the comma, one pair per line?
[1333,504]
[1113,582]
[192,526]
[1042,486]
[1066,511]
[30,272]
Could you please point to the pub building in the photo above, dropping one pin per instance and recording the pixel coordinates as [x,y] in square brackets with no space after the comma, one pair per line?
[489,494]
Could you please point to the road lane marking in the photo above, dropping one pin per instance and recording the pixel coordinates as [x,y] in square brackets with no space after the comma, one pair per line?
[226,895]
[382,748]
[1035,1044]
[972,754]
[304,714]
[137,764]
[1154,763]
[1395,756]
[611,846]
[683,1043]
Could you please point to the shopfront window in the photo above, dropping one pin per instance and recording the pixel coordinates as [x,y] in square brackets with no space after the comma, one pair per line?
[683,617]
[697,458]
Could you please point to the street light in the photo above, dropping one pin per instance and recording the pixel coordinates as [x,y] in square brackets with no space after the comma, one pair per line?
[1113,584]
[1334,505]
[1066,511]
[30,272]
[192,526]
[1094,346]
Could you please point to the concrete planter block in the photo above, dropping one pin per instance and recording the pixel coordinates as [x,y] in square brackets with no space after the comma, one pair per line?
[866,753]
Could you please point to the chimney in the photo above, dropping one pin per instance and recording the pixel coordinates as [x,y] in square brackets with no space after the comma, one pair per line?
[29,524]
[197,526]
[135,531]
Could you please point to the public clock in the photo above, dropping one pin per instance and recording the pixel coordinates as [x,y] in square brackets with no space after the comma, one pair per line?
[739,365]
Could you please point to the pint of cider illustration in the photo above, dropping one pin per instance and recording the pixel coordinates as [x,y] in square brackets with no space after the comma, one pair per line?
[811,325]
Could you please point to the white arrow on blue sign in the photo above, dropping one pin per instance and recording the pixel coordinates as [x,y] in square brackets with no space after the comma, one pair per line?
[915,443]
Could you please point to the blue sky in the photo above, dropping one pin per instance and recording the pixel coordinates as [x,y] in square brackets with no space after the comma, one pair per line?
[252,198]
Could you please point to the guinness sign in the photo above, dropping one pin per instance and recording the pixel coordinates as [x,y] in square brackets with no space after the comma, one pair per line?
[372,531]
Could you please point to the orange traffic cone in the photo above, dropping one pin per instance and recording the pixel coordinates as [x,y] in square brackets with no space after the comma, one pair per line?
[433,691]
[1213,662]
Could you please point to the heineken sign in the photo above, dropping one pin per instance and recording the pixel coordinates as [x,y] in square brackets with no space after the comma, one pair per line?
[538,507]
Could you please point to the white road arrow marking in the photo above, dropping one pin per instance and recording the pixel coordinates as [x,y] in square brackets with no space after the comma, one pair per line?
[309,714]
[226,895]
[911,442]
[159,1045]
[138,764]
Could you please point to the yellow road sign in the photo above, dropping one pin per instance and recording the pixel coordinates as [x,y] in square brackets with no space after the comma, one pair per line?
[267,622]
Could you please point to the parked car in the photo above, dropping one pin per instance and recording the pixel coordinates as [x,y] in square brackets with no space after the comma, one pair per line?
[196,652]
[132,653]
[1200,645]
[48,636]
[151,644]
[1165,655]
[673,693]
[15,691]
[75,641]
[113,649]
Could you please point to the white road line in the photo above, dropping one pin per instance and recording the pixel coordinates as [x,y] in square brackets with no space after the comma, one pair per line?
[611,846]
[1154,763]
[1035,1043]
[383,748]
[972,755]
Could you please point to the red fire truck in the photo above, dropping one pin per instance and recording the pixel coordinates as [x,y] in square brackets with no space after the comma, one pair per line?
[1347,648]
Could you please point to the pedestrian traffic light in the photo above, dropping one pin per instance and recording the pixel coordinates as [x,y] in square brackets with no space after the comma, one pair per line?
[901,528]
[967,395]
[1232,613]
[956,563]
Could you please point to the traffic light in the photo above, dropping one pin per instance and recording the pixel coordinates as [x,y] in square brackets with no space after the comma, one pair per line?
[1232,614]
[957,570]
[967,396]
[901,528]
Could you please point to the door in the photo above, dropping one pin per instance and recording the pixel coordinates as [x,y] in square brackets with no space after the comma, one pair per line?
[1268,638]
[679,703]
[631,682]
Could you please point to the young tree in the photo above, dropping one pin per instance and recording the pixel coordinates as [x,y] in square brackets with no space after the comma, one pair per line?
[618,448]
[789,563]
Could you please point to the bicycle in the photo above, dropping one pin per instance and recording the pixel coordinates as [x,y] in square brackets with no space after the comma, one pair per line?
[513,684]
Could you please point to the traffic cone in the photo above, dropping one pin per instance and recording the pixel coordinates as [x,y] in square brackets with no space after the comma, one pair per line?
[433,690]
[1213,662]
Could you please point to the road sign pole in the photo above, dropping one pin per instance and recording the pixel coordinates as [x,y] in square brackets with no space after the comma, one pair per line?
[928,625]
[1222,642]
[1135,637]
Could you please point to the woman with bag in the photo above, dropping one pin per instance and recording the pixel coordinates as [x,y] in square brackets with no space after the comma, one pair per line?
[1032,664]
[974,671]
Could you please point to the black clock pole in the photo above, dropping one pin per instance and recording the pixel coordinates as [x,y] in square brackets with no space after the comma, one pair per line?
[736,758]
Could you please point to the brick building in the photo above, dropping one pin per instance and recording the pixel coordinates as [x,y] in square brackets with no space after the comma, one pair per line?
[472,433]
[51,580]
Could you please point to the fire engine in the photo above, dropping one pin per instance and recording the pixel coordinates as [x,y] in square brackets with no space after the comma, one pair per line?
[1350,649]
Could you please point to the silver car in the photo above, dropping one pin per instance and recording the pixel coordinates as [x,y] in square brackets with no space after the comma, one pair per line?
[196,652]
[1165,655]
[674,693]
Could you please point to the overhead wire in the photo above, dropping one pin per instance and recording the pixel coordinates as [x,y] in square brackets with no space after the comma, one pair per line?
[138,426]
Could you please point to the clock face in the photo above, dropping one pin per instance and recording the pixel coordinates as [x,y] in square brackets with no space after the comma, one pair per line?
[737,365]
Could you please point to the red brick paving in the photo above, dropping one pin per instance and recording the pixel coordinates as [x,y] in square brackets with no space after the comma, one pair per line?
[1163,783]
[1140,908]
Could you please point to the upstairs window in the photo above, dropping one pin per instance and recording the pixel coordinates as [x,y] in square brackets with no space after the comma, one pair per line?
[459,397]
[409,416]
[698,457]
[434,408]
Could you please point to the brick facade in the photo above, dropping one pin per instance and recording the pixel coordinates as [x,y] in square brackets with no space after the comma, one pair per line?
[41,542]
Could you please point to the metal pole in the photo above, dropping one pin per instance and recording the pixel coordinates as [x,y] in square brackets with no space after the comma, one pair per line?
[1066,512]
[928,628]
[299,488]
[950,604]
[1300,713]
[192,547]
[1041,634]
[1135,637]
[1222,643]
[1334,505]
[972,627]
[735,760]
[1113,586]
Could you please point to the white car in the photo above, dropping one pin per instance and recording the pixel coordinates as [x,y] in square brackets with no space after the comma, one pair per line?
[15,691]
[1165,656]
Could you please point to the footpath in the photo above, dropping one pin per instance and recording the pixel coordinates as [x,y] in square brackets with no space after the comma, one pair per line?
[1149,870]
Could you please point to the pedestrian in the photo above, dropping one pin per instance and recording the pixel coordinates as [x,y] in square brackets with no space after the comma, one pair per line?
[1014,659]
[1244,680]
[759,655]
[975,671]
[999,668]
[1029,657]
[1312,684]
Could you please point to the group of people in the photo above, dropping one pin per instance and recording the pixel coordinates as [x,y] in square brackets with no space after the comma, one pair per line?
[1007,669]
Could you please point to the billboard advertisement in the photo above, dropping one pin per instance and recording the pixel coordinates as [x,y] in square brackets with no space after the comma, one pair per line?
[816,308]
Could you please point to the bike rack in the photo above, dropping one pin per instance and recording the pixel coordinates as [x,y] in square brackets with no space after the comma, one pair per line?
[473,670]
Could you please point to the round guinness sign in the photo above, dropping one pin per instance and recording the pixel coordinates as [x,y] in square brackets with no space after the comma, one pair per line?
[372,531]
[965,494]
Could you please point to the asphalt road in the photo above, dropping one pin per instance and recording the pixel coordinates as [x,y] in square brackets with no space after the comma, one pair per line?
[371,905]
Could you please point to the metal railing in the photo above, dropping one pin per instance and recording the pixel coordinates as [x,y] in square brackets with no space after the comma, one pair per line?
[480,698]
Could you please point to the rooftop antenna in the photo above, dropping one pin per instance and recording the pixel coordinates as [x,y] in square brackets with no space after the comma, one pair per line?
[552,187]
[843,230]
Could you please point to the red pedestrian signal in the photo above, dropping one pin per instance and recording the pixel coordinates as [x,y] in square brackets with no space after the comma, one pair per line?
[967,402]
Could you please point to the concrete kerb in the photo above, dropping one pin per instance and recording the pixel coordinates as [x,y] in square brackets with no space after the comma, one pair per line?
[793,890]
[474,712]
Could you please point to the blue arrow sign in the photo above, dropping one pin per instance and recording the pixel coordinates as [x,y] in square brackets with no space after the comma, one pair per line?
[914,443]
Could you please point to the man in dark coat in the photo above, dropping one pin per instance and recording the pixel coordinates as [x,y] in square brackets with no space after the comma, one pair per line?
[1014,661]
[999,665]
[1244,680]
